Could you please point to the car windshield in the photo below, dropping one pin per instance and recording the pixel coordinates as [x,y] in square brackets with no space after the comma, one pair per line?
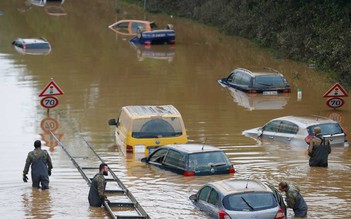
[327,129]
[250,201]
[157,127]
[208,160]
[268,81]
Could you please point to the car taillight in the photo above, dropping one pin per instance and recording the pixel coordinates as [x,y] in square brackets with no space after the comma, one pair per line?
[280,214]
[286,91]
[129,149]
[252,91]
[189,173]
[308,139]
[232,170]
[223,215]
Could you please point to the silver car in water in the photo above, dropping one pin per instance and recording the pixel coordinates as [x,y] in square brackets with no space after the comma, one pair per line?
[239,198]
[298,130]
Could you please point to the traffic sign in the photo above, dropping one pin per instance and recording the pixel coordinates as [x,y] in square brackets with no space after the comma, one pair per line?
[335,102]
[49,102]
[51,89]
[49,140]
[49,124]
[336,91]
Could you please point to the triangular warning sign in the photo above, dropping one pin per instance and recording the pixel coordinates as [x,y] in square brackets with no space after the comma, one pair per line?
[336,91]
[51,89]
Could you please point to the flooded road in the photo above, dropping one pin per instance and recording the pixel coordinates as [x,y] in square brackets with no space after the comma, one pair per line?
[99,72]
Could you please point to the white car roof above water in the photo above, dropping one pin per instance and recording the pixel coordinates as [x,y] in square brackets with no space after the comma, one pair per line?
[232,186]
[305,121]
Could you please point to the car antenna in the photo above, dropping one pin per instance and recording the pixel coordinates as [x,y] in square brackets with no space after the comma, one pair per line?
[247,183]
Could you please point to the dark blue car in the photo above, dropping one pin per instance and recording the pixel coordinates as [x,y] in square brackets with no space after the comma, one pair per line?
[191,159]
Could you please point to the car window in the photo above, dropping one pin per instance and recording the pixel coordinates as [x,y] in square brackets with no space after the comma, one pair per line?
[263,81]
[38,46]
[213,198]
[136,25]
[252,201]
[157,127]
[288,127]
[204,192]
[272,126]
[158,156]
[122,27]
[175,158]
[204,159]
[236,78]
[327,129]
[242,79]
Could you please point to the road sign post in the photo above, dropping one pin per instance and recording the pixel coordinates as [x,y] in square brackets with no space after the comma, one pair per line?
[334,95]
[50,90]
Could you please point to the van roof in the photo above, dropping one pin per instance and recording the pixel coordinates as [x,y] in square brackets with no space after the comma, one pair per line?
[138,111]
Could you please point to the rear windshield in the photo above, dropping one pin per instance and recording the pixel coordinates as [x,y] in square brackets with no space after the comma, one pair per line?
[327,129]
[251,201]
[157,127]
[37,46]
[208,159]
[269,81]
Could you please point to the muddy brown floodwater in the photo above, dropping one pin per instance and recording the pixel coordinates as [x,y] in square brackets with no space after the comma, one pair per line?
[99,72]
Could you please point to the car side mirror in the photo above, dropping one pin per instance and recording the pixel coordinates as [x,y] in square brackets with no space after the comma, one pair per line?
[112,122]
[259,132]
[193,197]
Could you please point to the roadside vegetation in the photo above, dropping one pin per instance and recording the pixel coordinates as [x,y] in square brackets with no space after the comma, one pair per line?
[317,32]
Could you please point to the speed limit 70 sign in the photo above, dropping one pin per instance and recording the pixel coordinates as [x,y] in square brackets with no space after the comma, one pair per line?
[49,102]
[335,102]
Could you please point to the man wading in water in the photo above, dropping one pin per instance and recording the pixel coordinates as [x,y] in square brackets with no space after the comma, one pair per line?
[41,165]
[319,149]
[97,188]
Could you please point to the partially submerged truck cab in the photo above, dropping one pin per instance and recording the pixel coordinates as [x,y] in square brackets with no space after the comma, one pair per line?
[142,129]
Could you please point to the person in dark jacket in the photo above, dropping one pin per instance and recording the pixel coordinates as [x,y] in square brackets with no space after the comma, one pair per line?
[40,162]
[319,149]
[294,199]
[97,188]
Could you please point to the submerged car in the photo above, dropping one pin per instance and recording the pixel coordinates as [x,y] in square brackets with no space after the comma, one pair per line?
[236,198]
[297,130]
[145,32]
[191,159]
[257,101]
[266,81]
[142,129]
[32,46]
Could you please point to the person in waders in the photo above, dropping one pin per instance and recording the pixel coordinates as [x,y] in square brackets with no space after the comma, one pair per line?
[97,188]
[294,199]
[40,162]
[319,149]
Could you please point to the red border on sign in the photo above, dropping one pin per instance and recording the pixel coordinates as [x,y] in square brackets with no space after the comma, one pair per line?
[329,93]
[52,83]
[335,98]
[42,102]
[49,119]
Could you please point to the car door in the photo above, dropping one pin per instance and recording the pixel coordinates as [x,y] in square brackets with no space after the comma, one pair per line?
[157,157]
[207,202]
[270,130]
[286,132]
[174,161]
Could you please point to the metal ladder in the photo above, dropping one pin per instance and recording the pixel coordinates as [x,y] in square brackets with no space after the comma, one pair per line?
[122,203]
